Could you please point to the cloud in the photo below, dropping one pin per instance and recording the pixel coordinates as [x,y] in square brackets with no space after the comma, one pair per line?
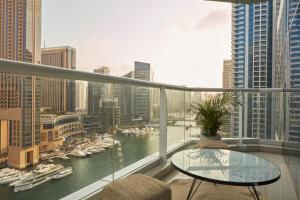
[213,19]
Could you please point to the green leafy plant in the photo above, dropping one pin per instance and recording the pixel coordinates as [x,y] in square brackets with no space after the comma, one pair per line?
[212,111]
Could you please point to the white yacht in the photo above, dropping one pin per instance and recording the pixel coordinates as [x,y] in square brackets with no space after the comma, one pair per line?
[127,131]
[64,157]
[9,173]
[36,179]
[78,153]
[5,171]
[111,141]
[13,183]
[14,178]
[42,168]
[95,150]
[30,184]
[63,173]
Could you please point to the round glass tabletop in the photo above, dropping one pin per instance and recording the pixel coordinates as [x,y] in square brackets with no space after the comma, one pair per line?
[226,167]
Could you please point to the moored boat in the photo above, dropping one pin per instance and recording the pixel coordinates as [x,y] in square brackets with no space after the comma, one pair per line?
[14,178]
[63,173]
[36,179]
[42,168]
[64,157]
[78,153]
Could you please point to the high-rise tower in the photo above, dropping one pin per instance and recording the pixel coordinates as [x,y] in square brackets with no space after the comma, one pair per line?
[59,95]
[227,74]
[20,30]
[252,45]
[287,67]
[143,71]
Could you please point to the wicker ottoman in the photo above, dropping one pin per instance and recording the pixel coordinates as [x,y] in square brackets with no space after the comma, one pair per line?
[136,187]
[212,144]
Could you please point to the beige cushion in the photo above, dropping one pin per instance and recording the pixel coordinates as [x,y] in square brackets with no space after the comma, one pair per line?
[136,187]
[209,191]
[212,144]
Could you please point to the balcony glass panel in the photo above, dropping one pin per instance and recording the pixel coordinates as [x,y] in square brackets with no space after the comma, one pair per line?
[176,123]
[138,130]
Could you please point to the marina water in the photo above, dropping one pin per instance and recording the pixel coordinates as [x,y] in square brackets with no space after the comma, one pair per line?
[90,169]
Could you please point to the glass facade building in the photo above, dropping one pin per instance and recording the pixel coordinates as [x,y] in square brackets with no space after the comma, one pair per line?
[266,54]
[252,66]
[287,63]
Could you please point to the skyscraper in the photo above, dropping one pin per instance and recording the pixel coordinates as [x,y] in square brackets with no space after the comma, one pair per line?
[20,30]
[143,71]
[287,66]
[81,96]
[293,70]
[227,74]
[252,45]
[107,90]
[125,96]
[227,83]
[59,95]
[110,112]
[97,93]
[102,70]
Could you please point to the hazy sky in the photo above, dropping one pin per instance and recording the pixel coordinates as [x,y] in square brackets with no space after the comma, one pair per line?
[184,40]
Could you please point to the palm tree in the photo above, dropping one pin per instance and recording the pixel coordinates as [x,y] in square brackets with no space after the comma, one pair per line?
[212,111]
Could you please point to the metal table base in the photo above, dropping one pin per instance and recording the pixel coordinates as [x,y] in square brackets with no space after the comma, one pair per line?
[192,191]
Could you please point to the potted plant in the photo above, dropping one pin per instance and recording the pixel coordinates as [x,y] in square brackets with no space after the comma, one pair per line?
[212,111]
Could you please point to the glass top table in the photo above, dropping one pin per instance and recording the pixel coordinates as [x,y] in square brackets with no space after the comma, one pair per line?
[226,167]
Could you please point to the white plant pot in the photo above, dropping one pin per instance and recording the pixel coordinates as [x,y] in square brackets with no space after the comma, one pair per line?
[205,138]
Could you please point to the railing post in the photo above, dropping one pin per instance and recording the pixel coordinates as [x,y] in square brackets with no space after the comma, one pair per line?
[163,126]
[242,114]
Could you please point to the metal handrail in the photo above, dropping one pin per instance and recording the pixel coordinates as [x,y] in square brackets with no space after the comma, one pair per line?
[21,68]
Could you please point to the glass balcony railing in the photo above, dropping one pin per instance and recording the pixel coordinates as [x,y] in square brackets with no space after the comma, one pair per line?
[106,127]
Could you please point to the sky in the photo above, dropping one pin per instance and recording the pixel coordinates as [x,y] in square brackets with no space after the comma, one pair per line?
[185,41]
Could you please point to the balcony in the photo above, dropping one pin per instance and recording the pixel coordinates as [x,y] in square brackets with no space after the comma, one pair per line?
[151,121]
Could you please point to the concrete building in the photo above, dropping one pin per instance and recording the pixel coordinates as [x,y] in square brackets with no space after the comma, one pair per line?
[176,104]
[107,90]
[96,93]
[227,74]
[81,98]
[56,93]
[142,101]
[93,119]
[125,96]
[55,129]
[252,44]
[102,70]
[20,30]
[227,83]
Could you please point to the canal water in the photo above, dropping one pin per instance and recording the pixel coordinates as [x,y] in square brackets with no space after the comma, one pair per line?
[90,169]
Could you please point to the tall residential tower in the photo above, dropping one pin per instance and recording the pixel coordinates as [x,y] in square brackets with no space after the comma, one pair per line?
[287,67]
[20,30]
[227,74]
[58,94]
[252,45]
